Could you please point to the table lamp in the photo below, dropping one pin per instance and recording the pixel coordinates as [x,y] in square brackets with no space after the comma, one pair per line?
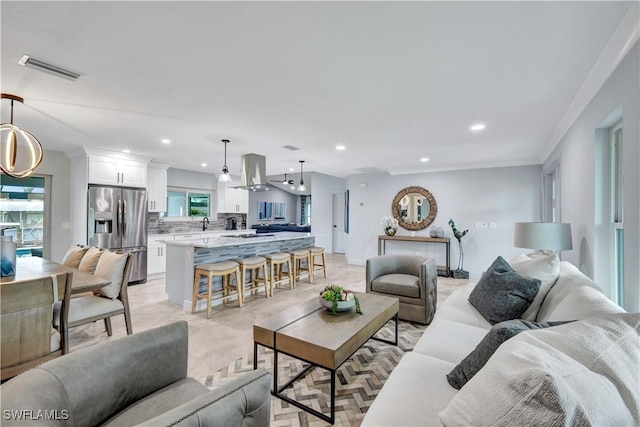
[544,236]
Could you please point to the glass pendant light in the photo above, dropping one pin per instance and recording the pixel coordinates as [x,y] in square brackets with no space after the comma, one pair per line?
[301,187]
[225,176]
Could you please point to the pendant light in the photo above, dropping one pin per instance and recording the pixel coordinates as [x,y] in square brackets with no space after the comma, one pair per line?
[225,176]
[301,187]
[17,144]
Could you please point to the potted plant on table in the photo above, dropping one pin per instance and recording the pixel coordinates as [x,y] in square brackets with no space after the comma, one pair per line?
[339,299]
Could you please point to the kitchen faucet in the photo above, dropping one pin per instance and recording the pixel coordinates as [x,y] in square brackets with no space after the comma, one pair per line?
[205,223]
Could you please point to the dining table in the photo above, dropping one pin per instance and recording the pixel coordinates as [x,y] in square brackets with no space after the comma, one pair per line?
[31,268]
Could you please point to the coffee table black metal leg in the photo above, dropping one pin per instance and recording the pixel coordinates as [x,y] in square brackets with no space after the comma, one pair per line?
[275,373]
[395,340]
[255,355]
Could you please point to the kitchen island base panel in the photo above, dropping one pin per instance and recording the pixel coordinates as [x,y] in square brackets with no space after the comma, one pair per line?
[182,258]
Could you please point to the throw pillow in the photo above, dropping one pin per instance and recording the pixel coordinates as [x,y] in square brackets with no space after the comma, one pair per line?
[74,255]
[581,373]
[541,266]
[498,334]
[90,259]
[502,294]
[111,266]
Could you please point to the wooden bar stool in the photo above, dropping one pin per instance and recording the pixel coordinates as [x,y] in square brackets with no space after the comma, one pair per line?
[253,265]
[298,269]
[318,251]
[223,269]
[276,269]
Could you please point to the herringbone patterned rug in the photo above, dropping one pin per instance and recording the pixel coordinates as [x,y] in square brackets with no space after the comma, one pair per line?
[358,380]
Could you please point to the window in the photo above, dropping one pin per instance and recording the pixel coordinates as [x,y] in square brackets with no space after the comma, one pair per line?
[22,213]
[551,185]
[183,203]
[617,229]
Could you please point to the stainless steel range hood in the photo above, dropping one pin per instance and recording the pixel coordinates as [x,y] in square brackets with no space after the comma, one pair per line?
[254,173]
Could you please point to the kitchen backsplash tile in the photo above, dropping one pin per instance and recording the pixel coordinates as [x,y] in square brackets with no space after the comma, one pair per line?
[160,225]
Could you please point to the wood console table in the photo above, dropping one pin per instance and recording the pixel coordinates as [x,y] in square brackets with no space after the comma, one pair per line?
[442,270]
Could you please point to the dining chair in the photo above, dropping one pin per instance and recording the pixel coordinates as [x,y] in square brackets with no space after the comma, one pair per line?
[109,301]
[26,316]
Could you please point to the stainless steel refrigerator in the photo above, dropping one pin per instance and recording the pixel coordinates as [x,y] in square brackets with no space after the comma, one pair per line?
[117,220]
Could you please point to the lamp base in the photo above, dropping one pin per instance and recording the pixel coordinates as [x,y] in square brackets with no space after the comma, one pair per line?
[460,274]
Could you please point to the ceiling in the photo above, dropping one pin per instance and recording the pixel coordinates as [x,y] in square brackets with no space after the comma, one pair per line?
[391,81]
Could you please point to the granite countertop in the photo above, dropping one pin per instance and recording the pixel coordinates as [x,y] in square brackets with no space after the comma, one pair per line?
[212,232]
[220,241]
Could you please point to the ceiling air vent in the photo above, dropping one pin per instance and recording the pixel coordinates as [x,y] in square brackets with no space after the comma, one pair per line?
[290,147]
[36,64]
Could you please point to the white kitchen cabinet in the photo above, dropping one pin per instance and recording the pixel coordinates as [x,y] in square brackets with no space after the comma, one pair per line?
[157,187]
[232,200]
[157,254]
[115,171]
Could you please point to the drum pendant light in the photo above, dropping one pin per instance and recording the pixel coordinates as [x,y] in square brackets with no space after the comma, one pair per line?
[20,152]
[225,176]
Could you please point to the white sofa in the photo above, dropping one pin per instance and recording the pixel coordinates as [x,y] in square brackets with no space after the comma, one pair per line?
[417,391]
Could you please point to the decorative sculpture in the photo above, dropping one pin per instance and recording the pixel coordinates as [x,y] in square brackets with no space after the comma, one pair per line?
[459,273]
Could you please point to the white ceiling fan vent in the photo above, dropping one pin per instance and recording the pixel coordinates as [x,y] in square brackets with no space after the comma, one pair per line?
[36,64]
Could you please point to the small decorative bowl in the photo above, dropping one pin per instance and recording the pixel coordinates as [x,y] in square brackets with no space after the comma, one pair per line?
[342,305]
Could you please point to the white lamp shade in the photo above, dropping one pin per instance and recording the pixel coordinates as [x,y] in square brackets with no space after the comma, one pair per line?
[547,236]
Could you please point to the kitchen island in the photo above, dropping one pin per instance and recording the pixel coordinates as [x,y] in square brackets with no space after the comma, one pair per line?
[183,255]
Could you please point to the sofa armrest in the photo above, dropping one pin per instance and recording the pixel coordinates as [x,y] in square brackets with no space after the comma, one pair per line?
[129,369]
[245,401]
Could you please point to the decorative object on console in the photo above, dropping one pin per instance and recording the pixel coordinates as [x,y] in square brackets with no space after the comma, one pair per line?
[338,299]
[225,176]
[459,273]
[13,157]
[390,225]
[409,209]
[301,187]
[544,236]
[436,232]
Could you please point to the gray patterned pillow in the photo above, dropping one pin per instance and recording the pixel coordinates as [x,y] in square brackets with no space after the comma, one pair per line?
[502,294]
[499,333]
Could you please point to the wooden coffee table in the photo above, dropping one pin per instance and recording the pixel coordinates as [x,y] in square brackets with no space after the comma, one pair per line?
[315,335]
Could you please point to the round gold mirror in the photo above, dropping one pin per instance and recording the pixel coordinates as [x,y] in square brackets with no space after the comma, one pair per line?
[414,208]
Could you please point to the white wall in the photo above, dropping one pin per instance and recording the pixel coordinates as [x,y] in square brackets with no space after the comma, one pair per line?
[577,155]
[273,195]
[56,164]
[500,195]
[322,189]
[190,179]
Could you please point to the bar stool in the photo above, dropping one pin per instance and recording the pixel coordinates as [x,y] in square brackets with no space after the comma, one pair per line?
[253,265]
[276,269]
[223,269]
[318,251]
[297,257]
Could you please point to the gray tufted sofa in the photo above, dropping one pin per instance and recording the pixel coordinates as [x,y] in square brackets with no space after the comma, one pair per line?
[411,278]
[140,379]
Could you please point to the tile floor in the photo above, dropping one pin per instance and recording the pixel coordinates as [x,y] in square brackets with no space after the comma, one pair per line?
[228,335]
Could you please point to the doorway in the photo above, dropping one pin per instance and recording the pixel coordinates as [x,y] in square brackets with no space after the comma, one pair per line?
[338,234]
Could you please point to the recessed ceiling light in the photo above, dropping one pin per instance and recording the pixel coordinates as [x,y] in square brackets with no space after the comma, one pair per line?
[424,159]
[292,187]
[291,169]
[166,141]
[126,151]
[340,147]
[478,126]
[204,165]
